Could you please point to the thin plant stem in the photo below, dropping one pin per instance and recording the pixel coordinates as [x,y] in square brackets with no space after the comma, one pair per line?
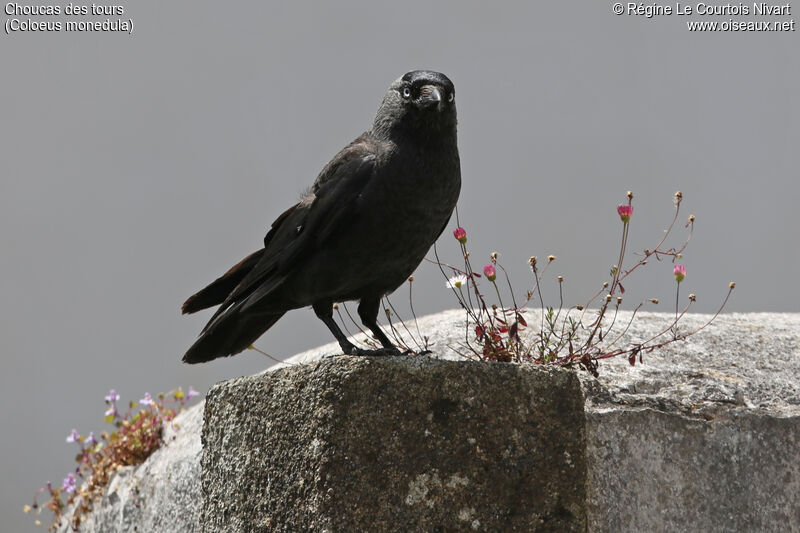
[413,313]
[367,335]
[510,288]
[265,354]
[499,298]
[403,323]
[395,333]
[343,321]
[627,327]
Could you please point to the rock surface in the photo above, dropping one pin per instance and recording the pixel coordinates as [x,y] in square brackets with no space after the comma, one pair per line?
[162,495]
[703,435]
[395,444]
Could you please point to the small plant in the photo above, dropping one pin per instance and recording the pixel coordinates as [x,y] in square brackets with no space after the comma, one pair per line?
[565,337]
[137,434]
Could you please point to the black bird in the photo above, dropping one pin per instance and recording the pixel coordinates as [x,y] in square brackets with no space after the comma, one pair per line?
[356,234]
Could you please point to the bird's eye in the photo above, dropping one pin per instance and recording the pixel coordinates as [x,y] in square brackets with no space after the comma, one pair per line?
[406,92]
[450,97]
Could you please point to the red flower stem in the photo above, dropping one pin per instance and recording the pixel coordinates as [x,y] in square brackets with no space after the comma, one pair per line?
[626,327]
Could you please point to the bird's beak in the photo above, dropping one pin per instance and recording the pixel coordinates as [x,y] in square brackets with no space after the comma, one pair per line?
[429,95]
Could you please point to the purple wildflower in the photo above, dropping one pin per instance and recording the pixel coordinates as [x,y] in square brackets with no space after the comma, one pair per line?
[112,396]
[69,483]
[73,436]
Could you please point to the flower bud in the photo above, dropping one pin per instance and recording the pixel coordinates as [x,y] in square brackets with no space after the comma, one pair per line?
[489,272]
[680,272]
[460,234]
[625,212]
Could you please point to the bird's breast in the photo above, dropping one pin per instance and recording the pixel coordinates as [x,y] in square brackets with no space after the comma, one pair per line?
[417,195]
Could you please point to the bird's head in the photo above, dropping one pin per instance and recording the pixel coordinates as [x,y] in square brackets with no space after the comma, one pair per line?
[420,103]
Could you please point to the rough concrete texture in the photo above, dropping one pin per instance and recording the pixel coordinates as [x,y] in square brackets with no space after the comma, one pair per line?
[395,444]
[703,435]
[162,495]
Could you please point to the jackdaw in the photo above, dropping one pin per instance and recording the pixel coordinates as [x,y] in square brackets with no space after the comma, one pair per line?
[356,234]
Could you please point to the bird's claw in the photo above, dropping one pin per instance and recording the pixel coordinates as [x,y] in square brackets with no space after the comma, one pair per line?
[378,352]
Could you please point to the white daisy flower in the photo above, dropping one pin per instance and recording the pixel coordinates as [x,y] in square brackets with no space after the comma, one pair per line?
[456,282]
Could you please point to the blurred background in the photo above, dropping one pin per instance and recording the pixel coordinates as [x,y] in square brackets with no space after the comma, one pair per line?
[137,168]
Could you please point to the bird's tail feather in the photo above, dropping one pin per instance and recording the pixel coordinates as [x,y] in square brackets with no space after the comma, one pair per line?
[216,292]
[228,335]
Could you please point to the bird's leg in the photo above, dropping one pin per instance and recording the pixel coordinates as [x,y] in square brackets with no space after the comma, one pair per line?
[368,311]
[324,312]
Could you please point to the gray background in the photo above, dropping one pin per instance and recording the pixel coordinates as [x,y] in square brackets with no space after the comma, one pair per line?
[137,168]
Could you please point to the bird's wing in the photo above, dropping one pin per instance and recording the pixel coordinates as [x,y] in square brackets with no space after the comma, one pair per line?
[336,192]
[301,228]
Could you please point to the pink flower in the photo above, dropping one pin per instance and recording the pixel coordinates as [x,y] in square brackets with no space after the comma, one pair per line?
[489,272]
[460,234]
[625,212]
[680,272]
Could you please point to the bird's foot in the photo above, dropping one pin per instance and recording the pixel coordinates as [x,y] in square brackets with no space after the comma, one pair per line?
[378,352]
